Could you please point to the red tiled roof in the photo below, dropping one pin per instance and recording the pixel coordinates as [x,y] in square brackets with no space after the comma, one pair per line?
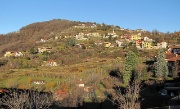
[172,57]
[59,92]
[3,90]
[169,55]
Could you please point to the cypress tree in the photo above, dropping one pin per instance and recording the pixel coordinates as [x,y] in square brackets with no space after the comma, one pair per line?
[130,65]
[161,69]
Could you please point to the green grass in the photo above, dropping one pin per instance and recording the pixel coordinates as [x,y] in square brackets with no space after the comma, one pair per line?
[24,80]
[22,77]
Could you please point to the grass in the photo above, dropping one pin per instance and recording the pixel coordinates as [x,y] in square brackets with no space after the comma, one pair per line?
[49,74]
[24,80]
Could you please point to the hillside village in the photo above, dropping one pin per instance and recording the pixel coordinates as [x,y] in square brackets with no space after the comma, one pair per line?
[82,61]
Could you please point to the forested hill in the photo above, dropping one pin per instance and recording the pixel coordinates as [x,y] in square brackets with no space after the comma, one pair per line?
[26,37]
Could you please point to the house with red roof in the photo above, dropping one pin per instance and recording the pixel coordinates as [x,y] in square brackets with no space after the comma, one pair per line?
[173,58]
[175,49]
[3,90]
[60,95]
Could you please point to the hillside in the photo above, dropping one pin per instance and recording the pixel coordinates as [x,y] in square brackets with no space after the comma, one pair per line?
[26,37]
[62,55]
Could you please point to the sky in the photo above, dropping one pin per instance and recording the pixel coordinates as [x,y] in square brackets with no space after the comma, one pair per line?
[161,15]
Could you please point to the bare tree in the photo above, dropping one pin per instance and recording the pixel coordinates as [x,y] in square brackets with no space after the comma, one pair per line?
[26,99]
[175,69]
[128,99]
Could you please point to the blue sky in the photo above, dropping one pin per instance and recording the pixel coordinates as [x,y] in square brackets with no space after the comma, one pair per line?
[163,15]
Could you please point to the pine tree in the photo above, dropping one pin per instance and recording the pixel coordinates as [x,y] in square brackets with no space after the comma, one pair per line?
[161,69]
[130,65]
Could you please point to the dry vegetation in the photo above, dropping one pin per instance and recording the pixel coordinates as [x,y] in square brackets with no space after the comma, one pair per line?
[97,66]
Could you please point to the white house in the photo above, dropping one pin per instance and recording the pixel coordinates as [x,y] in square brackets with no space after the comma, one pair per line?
[119,43]
[162,44]
[80,83]
[38,82]
[18,54]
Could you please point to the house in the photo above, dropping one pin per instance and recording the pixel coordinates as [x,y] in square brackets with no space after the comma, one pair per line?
[80,36]
[98,43]
[41,41]
[107,44]
[138,42]
[162,45]
[147,39]
[93,34]
[80,26]
[146,45]
[135,37]
[38,82]
[18,54]
[173,58]
[51,63]
[113,35]
[89,89]
[80,83]
[3,90]
[175,49]
[9,54]
[44,49]
[93,26]
[119,43]
[60,95]
[81,45]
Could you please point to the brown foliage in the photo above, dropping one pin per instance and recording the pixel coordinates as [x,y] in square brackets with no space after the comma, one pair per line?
[26,99]
[128,99]
[28,35]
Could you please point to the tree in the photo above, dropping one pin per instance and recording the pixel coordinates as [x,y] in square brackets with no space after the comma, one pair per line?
[141,72]
[25,99]
[129,98]
[130,65]
[117,27]
[161,68]
[175,69]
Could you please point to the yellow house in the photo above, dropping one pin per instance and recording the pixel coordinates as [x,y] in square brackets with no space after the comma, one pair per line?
[147,45]
[9,54]
[135,37]
[107,44]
